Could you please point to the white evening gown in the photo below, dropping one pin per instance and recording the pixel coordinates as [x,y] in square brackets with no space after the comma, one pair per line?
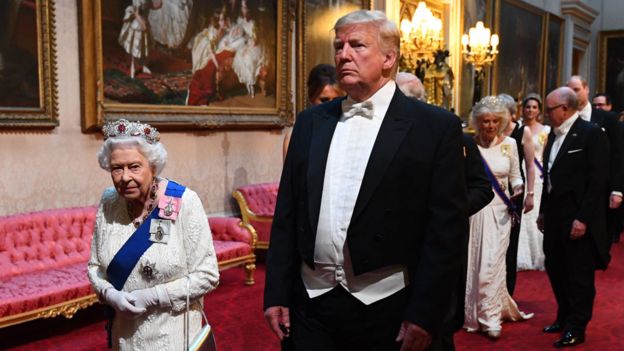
[189,248]
[250,58]
[530,250]
[487,302]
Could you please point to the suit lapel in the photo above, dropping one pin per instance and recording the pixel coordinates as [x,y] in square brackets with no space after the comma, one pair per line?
[393,130]
[572,133]
[551,140]
[323,126]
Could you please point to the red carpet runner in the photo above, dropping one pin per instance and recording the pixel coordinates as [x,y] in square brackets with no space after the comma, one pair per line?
[235,312]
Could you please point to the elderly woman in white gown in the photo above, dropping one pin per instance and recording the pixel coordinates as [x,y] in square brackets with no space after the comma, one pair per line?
[487,302]
[152,247]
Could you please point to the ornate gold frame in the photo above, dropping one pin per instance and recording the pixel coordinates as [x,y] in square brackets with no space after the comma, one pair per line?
[95,111]
[46,115]
[302,47]
[66,309]
[248,216]
[497,21]
[602,55]
[551,18]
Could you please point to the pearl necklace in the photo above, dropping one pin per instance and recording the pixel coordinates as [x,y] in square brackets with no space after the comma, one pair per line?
[147,209]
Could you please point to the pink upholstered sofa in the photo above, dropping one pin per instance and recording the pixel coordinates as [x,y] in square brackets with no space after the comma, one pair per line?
[257,205]
[43,271]
[235,245]
[43,261]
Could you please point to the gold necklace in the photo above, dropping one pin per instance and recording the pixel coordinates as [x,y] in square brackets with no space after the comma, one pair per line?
[146,209]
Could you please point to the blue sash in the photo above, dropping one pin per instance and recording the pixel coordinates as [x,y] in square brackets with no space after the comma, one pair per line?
[511,207]
[128,256]
[540,167]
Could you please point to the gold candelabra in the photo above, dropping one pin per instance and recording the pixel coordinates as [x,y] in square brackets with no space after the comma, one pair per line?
[479,47]
[421,37]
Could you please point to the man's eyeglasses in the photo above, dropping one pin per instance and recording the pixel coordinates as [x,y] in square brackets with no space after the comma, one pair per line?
[549,110]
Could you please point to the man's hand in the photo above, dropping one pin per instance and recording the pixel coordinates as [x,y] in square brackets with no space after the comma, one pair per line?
[578,229]
[414,338]
[615,201]
[278,318]
[540,223]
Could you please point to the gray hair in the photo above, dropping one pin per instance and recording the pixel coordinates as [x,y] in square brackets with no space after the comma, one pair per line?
[490,105]
[389,36]
[156,154]
[509,102]
[410,85]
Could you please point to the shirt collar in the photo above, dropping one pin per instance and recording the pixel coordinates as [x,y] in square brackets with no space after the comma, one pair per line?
[564,128]
[381,99]
[586,112]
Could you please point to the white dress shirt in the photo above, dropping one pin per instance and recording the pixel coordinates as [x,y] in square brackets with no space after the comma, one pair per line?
[560,134]
[586,112]
[348,156]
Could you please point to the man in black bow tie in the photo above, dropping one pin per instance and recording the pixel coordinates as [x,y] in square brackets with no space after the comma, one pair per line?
[364,250]
[572,213]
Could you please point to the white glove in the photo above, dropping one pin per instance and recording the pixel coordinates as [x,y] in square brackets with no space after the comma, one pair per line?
[156,296]
[123,303]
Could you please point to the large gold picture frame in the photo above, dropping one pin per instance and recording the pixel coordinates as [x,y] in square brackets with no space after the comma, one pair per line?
[518,68]
[611,66]
[163,90]
[315,19]
[28,77]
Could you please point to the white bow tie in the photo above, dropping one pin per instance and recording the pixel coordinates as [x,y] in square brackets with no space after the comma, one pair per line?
[350,109]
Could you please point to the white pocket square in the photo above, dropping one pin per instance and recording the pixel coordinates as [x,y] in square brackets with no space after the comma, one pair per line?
[573,151]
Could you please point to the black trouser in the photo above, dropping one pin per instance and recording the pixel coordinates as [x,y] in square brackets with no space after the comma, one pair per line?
[511,258]
[570,265]
[338,321]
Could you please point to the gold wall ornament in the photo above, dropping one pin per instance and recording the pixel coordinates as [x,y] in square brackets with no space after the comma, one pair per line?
[420,38]
[439,80]
[479,48]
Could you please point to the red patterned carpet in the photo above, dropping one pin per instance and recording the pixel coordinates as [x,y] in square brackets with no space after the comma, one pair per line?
[235,312]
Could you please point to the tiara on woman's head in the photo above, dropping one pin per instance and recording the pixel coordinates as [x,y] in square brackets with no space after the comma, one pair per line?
[123,127]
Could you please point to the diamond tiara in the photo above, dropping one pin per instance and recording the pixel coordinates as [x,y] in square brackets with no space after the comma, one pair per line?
[123,127]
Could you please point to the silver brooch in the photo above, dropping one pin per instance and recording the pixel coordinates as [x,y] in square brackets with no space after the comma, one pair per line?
[148,270]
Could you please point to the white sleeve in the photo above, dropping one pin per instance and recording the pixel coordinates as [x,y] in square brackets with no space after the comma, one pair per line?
[95,270]
[514,173]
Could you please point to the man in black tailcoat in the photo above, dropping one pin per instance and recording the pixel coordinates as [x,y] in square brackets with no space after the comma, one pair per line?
[572,214]
[608,122]
[371,206]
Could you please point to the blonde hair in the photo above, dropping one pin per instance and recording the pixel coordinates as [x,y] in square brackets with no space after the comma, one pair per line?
[389,36]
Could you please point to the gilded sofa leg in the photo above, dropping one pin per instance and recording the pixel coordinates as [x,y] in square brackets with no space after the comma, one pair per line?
[250,268]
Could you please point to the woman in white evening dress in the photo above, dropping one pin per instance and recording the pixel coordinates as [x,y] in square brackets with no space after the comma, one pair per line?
[530,250]
[152,249]
[487,302]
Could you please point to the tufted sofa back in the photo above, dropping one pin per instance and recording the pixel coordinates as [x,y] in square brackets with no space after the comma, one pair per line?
[229,229]
[43,240]
[261,198]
